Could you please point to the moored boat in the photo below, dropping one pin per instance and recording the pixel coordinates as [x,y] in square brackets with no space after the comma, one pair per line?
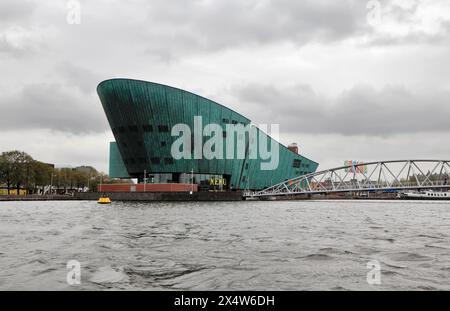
[425,195]
[104,200]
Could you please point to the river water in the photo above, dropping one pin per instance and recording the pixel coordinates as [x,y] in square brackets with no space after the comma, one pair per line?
[290,245]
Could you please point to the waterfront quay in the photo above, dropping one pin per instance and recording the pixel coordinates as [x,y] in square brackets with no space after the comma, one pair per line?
[197,196]
[37,198]
[132,196]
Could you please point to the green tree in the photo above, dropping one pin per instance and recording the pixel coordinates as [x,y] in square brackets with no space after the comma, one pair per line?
[15,167]
[41,174]
[18,169]
[5,171]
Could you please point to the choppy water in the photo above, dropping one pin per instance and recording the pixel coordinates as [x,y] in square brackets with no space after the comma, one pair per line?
[225,246]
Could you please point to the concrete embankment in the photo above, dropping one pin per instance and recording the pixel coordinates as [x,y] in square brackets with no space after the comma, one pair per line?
[134,196]
[330,196]
[163,196]
[195,196]
[36,198]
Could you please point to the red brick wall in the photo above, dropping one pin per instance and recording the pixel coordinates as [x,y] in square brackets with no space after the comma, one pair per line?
[148,187]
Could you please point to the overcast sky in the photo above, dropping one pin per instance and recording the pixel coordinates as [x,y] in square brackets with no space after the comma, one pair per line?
[343,81]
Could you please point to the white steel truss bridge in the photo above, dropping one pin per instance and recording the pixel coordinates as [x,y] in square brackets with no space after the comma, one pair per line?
[382,176]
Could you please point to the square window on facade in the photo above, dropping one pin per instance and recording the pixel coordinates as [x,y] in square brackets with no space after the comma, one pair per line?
[142,160]
[155,160]
[147,128]
[163,128]
[133,128]
[168,161]
[297,163]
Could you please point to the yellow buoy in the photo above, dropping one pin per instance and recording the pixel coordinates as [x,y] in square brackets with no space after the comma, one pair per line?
[104,200]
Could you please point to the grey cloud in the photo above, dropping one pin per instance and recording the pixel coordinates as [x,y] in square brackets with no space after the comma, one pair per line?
[17,51]
[186,27]
[86,80]
[412,38]
[170,30]
[403,14]
[361,110]
[410,17]
[19,36]
[216,25]
[54,107]
[15,10]
[6,46]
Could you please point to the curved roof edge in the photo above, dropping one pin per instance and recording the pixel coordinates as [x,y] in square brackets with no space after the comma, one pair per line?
[170,87]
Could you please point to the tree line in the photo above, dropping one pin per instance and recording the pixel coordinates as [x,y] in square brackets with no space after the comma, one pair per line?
[18,170]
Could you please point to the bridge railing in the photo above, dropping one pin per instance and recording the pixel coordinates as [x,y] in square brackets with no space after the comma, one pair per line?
[373,176]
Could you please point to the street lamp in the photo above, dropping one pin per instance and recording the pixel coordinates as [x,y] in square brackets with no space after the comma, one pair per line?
[51,182]
[145,180]
[89,178]
[101,181]
[192,181]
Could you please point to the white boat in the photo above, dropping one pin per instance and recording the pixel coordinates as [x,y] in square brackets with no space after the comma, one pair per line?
[425,195]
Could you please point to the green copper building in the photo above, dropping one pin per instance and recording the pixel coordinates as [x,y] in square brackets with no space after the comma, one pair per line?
[142,115]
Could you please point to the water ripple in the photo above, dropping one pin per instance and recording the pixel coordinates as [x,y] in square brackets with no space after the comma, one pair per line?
[289,245]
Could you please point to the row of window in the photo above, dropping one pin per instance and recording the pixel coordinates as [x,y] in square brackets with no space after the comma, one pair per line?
[437,194]
[297,163]
[141,144]
[227,121]
[153,160]
[145,128]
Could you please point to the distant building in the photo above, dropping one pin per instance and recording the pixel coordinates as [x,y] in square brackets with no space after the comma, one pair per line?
[293,147]
[12,191]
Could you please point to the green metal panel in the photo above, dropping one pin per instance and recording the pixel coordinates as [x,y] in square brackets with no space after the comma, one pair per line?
[117,168]
[131,104]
